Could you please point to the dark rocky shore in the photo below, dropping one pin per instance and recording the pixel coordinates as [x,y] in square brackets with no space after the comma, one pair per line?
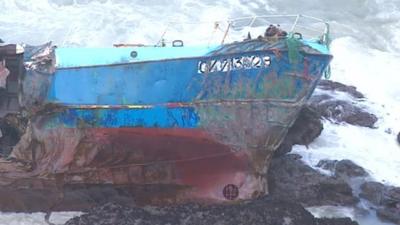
[261,211]
[291,180]
[386,200]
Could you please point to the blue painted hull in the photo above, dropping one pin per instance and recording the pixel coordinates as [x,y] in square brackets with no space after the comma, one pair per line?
[170,93]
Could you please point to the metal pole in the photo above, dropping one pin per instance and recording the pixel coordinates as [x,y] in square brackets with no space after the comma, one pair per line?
[226,33]
[295,23]
[252,21]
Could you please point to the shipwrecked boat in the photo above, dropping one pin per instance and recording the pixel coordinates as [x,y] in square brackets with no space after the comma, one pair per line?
[154,124]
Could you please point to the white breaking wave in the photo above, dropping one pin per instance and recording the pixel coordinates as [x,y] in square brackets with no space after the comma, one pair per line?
[366,50]
[103,23]
[35,218]
[374,73]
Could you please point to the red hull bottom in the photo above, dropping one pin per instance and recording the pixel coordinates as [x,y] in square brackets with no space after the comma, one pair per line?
[131,165]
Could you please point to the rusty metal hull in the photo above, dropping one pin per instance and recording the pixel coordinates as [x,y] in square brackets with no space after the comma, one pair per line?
[75,169]
[158,132]
[150,165]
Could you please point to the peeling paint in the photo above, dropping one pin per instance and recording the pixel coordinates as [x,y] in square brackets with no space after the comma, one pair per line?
[156,131]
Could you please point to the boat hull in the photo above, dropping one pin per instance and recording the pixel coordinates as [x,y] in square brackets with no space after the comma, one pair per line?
[159,132]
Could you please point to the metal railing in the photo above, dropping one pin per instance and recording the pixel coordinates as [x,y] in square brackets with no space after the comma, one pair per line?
[315,27]
[295,23]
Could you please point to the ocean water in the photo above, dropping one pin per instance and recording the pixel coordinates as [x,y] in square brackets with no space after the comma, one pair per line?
[366,46]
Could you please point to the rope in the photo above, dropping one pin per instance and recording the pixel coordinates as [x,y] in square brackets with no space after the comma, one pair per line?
[326,39]
[327,72]
[293,45]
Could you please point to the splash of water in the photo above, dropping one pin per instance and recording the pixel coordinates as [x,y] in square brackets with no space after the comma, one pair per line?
[365,49]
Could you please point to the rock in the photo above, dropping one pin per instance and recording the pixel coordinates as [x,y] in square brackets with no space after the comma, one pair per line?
[385,198]
[343,168]
[342,111]
[256,212]
[390,214]
[290,179]
[361,118]
[308,125]
[391,197]
[388,131]
[262,211]
[348,168]
[372,191]
[336,86]
[327,164]
[336,221]
[339,110]
[306,128]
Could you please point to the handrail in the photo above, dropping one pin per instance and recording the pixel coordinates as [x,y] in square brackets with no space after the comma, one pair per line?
[252,19]
[297,18]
